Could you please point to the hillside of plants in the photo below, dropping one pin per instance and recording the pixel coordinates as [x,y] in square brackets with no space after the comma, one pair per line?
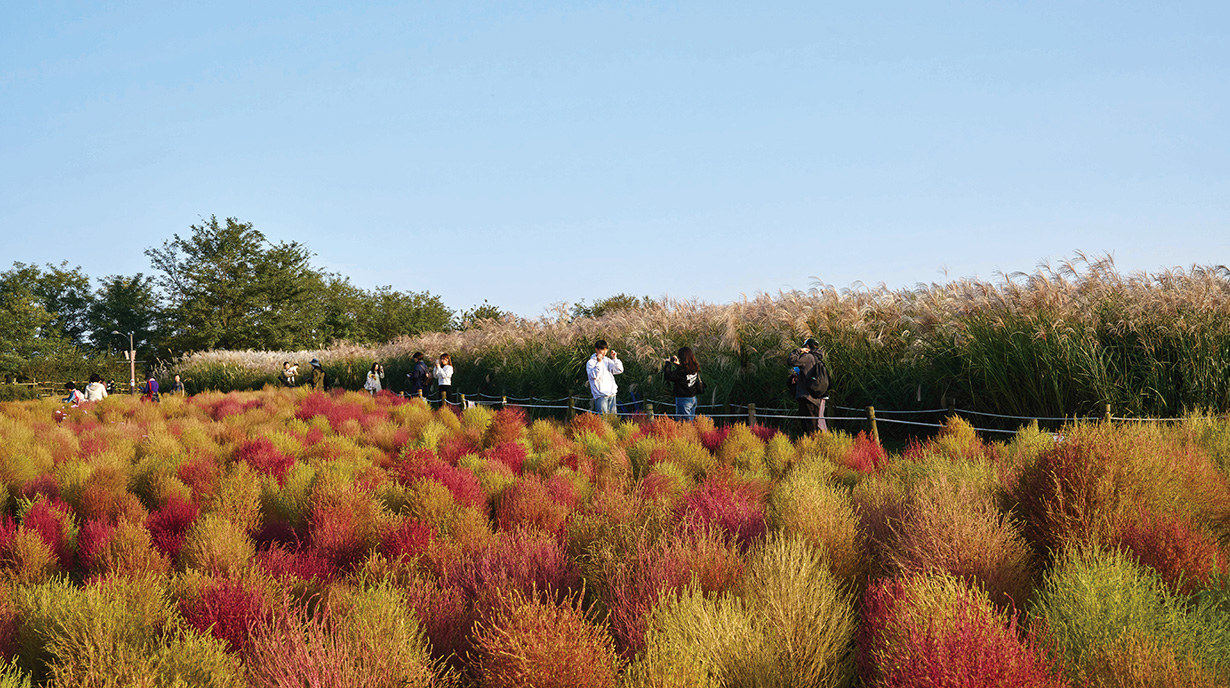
[1059,342]
[292,538]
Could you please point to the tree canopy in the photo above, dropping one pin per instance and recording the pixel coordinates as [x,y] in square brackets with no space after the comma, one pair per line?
[221,285]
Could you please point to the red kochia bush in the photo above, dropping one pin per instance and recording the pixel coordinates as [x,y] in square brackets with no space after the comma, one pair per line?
[1185,556]
[914,636]
[44,484]
[462,483]
[866,456]
[50,520]
[405,539]
[452,447]
[518,560]
[284,563]
[92,542]
[532,643]
[507,425]
[530,503]
[511,454]
[314,404]
[633,580]
[738,511]
[713,439]
[225,609]
[169,525]
[201,474]
[265,458]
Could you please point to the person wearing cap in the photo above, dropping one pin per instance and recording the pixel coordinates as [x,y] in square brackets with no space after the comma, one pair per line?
[318,375]
[807,361]
[602,368]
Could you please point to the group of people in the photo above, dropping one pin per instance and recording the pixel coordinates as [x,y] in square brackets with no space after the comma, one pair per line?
[96,390]
[809,381]
[418,381]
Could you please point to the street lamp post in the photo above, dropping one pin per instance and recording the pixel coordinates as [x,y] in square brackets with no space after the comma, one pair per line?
[132,363]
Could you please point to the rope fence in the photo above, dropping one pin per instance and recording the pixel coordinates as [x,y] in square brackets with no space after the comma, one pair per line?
[643,408]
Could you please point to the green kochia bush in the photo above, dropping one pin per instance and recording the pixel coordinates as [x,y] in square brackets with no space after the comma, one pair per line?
[116,633]
[792,624]
[1113,623]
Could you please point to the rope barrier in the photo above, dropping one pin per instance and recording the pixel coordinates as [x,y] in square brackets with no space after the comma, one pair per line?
[1000,415]
[772,413]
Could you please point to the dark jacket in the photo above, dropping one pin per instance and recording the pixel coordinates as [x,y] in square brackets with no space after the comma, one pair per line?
[318,378]
[419,379]
[805,362]
[683,384]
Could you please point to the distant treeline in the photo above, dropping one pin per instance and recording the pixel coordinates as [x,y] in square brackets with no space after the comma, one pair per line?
[1059,341]
[222,286]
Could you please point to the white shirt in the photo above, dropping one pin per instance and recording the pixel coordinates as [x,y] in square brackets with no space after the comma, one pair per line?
[444,375]
[95,391]
[602,375]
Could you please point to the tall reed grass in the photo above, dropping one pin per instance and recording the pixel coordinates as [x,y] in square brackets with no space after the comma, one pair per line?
[1061,340]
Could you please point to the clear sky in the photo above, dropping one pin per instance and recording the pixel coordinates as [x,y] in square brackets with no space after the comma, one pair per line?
[531,152]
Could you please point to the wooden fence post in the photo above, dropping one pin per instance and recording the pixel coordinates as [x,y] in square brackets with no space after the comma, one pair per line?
[871,418]
[1107,416]
[649,409]
[751,415]
[461,398]
[572,407]
[503,402]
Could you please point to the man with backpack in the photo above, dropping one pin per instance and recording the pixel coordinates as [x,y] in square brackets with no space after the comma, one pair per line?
[810,379]
[420,377]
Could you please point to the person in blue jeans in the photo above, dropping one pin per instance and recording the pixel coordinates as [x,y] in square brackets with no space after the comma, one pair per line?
[683,372]
[601,369]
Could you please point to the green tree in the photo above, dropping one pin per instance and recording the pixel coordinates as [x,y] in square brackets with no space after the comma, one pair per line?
[63,292]
[228,287]
[486,311]
[27,329]
[391,314]
[126,304]
[611,304]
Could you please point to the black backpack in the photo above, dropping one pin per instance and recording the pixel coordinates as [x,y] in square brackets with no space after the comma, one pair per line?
[818,382]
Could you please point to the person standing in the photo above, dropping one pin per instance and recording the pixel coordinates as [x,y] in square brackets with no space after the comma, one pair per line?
[444,375]
[151,390]
[420,376]
[683,372]
[318,375]
[96,390]
[287,376]
[811,386]
[177,387]
[374,376]
[601,369]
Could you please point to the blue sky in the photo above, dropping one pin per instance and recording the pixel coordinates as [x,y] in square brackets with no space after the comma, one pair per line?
[531,153]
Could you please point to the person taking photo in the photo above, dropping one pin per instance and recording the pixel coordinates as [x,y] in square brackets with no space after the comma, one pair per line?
[683,372]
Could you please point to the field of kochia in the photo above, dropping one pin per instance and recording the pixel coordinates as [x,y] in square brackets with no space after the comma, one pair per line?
[293,538]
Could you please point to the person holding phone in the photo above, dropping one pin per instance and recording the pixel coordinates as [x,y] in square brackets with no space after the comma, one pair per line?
[683,372]
[601,369]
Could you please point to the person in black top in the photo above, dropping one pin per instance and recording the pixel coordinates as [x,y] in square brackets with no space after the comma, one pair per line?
[420,377]
[683,372]
[807,361]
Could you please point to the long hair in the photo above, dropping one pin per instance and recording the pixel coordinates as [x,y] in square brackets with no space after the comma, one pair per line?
[445,359]
[688,360]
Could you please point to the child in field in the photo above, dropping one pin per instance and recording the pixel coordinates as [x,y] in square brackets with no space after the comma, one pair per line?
[75,396]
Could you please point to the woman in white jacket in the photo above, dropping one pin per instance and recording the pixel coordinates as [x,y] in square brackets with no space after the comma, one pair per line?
[444,375]
[374,376]
[96,390]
